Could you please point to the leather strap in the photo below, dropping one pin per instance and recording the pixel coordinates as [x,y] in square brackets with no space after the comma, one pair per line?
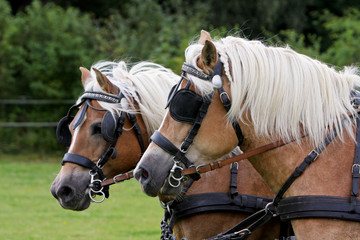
[233,179]
[196,126]
[170,148]
[78,159]
[313,206]
[224,97]
[137,131]
[117,179]
[220,163]
[214,202]
[356,169]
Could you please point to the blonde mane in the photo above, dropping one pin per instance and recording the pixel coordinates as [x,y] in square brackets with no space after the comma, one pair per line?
[281,91]
[147,83]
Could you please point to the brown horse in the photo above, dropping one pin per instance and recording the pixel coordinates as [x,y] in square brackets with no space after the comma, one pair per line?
[146,97]
[143,95]
[275,93]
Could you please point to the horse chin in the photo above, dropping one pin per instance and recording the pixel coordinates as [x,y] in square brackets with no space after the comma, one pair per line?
[150,189]
[78,205]
[169,191]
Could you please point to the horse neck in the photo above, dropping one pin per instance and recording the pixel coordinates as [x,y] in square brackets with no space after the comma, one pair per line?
[276,165]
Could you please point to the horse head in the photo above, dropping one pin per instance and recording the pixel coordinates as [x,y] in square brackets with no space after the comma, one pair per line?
[216,136]
[117,112]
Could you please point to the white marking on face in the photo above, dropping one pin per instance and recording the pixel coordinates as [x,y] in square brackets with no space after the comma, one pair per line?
[75,135]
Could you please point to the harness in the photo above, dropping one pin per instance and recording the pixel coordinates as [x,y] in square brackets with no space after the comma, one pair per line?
[186,206]
[289,208]
[111,130]
[187,106]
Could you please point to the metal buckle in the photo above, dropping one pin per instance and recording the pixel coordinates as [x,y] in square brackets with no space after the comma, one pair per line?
[267,208]
[221,94]
[199,166]
[244,231]
[355,165]
[314,152]
[97,164]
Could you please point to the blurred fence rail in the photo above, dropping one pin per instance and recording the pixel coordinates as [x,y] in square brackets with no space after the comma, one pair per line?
[33,102]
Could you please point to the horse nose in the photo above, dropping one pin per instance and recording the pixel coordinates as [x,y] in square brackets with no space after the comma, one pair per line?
[142,175]
[65,193]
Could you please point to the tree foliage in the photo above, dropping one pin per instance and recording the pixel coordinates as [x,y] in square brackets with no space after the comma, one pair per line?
[42,44]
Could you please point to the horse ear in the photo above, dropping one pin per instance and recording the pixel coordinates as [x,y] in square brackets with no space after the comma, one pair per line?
[209,56]
[85,74]
[105,83]
[204,35]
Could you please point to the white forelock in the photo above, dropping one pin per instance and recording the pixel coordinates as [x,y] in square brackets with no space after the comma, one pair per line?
[147,83]
[283,92]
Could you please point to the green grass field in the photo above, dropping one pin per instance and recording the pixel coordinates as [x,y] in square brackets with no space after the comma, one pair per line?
[29,211]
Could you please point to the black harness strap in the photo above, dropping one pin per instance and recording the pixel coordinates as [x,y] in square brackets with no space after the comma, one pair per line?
[137,130]
[326,206]
[195,127]
[233,179]
[356,171]
[183,207]
[263,216]
[313,155]
[219,202]
[170,148]
[78,159]
[298,207]
[245,228]
[224,97]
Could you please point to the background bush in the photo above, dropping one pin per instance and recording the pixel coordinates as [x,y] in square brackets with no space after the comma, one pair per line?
[42,44]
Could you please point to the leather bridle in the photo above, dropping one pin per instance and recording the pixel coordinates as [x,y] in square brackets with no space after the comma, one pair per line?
[97,176]
[178,154]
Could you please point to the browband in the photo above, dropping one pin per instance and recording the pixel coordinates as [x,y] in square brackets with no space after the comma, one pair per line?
[193,71]
[102,96]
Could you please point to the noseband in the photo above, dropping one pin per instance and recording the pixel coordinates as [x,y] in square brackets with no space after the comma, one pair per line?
[189,107]
[111,130]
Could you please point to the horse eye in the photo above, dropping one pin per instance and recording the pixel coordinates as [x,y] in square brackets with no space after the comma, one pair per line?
[96,128]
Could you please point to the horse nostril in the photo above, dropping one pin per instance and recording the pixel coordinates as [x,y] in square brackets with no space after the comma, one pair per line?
[141,175]
[145,174]
[65,193]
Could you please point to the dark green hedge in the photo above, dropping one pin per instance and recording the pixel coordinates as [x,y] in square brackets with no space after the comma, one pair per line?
[42,48]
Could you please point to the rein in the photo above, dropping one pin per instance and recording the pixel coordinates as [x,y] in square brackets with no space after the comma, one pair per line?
[117,179]
[210,166]
[221,163]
